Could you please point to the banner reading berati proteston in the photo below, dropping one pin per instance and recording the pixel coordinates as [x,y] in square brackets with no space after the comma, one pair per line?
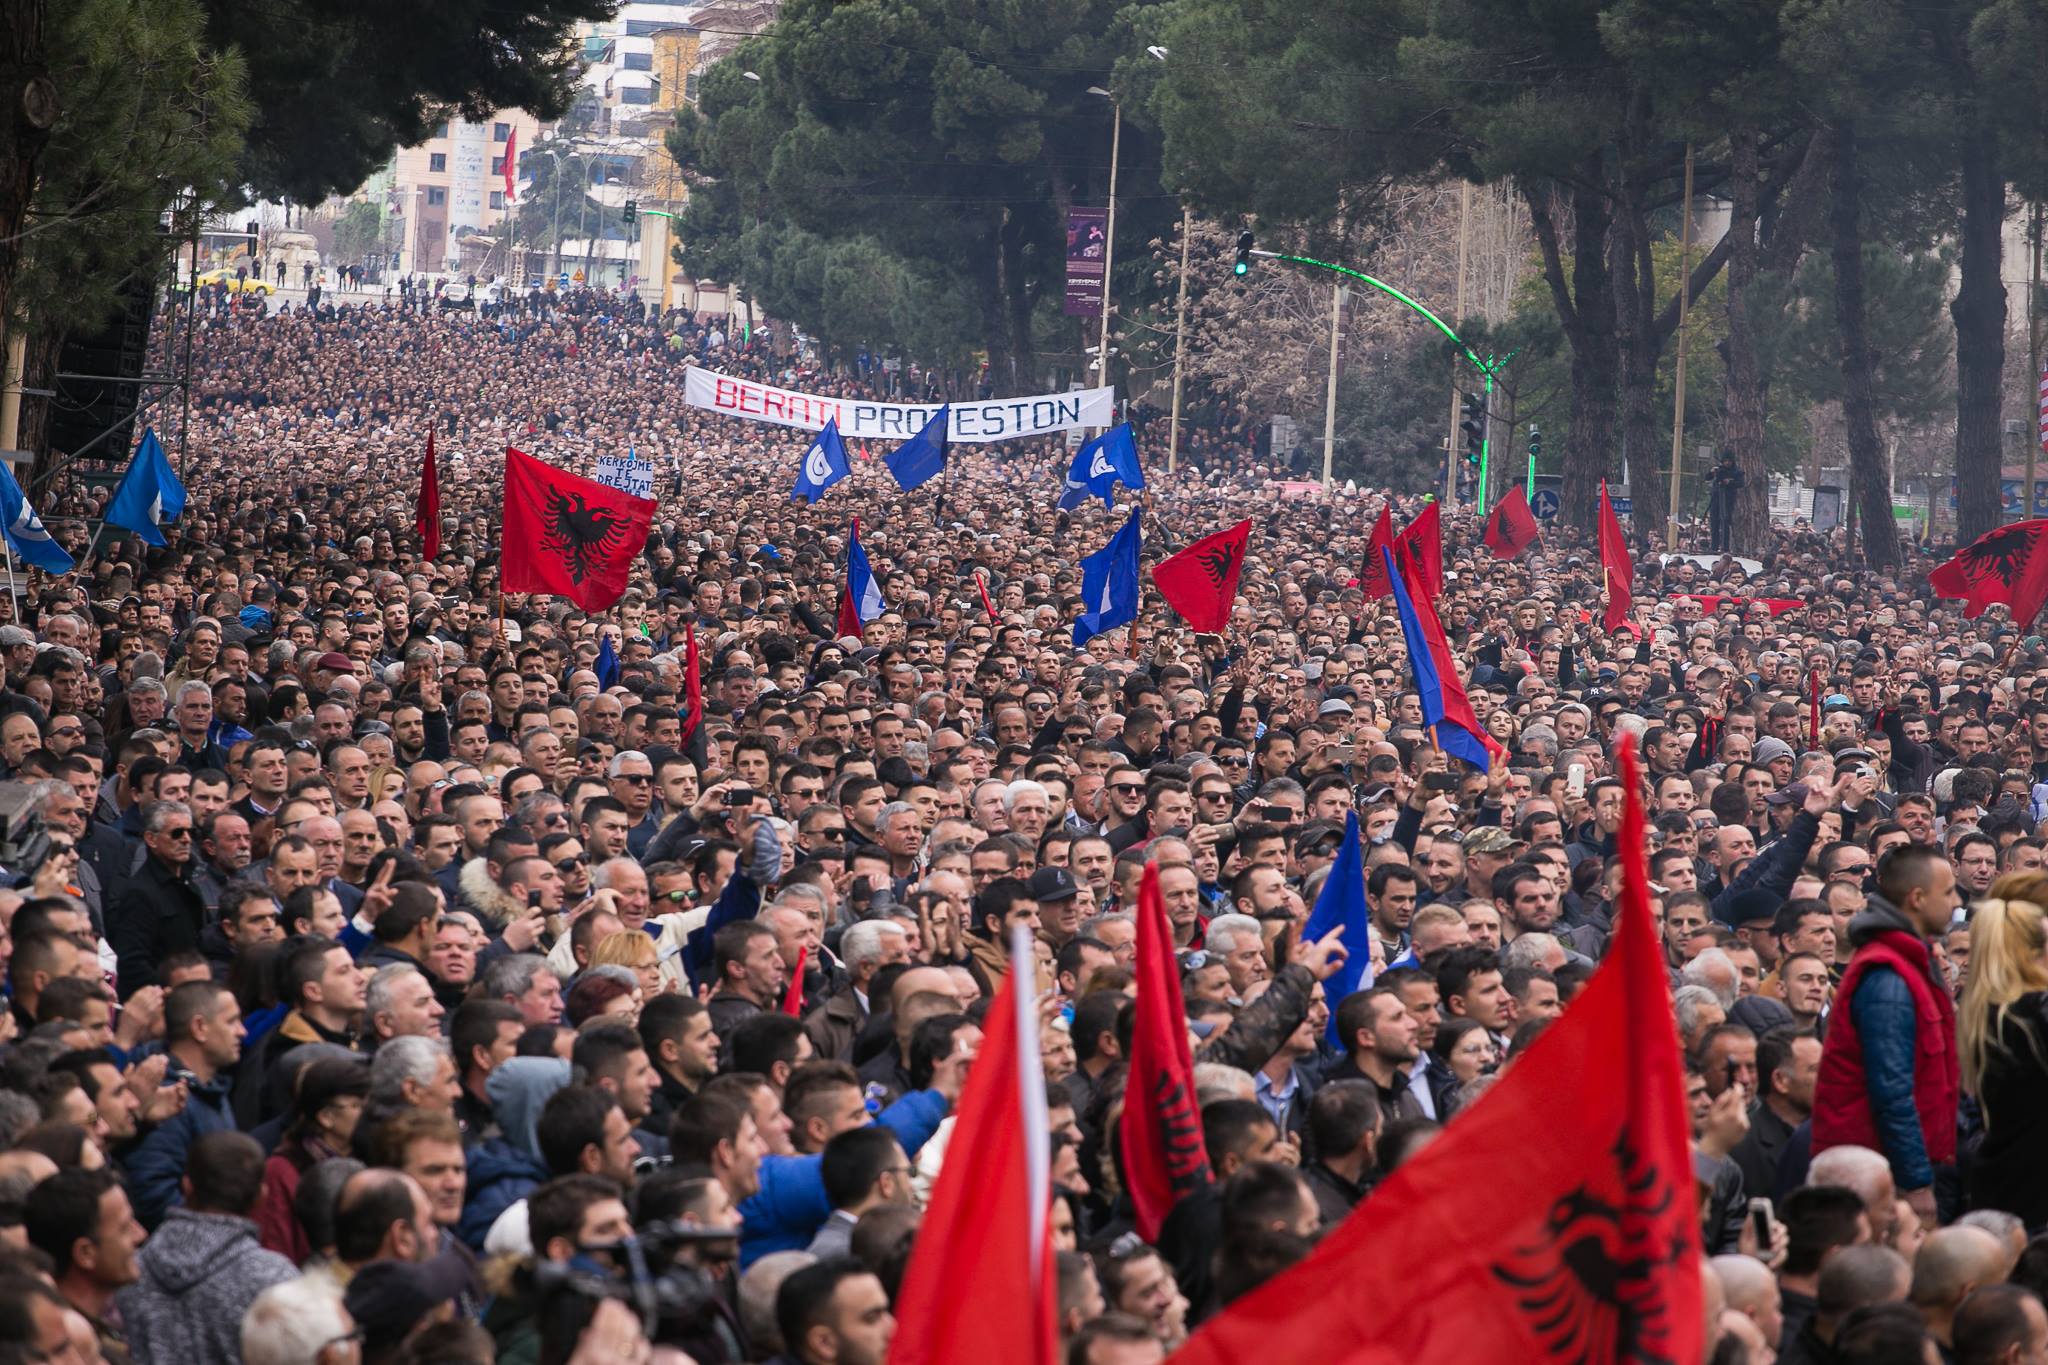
[992,419]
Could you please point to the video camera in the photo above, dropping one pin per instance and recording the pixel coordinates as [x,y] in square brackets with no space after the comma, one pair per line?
[676,1302]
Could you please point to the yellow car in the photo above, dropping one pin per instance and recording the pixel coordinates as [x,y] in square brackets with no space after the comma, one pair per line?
[251,285]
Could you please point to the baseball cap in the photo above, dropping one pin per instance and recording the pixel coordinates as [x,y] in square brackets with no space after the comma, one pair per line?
[1491,840]
[1052,884]
[1336,706]
[335,663]
[1314,834]
[388,1298]
[1795,792]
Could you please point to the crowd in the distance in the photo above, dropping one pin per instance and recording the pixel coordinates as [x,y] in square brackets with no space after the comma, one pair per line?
[385,984]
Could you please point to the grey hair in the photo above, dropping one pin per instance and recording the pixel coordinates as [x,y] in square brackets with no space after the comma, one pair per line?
[289,1323]
[1021,787]
[612,769]
[601,875]
[624,975]
[1529,950]
[891,811]
[377,996]
[157,814]
[510,977]
[192,687]
[861,944]
[149,686]
[404,1059]
[1219,1081]
[1997,1222]
[39,795]
[1094,923]
[1687,1002]
[1224,928]
[1716,971]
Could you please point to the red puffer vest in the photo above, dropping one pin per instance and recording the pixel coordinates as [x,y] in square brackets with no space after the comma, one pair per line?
[1841,1101]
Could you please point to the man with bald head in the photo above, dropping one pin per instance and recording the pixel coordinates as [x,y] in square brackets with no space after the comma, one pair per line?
[919,994]
[1950,1265]
[1854,1277]
[1752,1291]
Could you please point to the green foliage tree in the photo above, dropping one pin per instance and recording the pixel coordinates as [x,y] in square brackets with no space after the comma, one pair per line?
[358,230]
[950,137]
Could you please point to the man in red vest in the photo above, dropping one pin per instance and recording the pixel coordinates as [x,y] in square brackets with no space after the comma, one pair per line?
[1889,1078]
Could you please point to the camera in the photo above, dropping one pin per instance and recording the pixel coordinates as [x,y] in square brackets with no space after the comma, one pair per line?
[677,1303]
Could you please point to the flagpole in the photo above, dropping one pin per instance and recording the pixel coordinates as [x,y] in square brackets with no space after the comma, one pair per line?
[13,602]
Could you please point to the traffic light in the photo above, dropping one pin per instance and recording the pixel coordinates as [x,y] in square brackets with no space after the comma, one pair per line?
[1244,254]
[1473,425]
[632,209]
[1535,443]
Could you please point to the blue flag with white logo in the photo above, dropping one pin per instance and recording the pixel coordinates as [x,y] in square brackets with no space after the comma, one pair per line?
[150,496]
[924,454]
[606,665]
[1109,584]
[1342,901]
[1108,460]
[824,464]
[26,534]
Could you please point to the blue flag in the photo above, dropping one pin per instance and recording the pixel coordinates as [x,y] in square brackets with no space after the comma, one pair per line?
[824,464]
[150,495]
[924,454]
[1102,464]
[1449,735]
[26,535]
[606,665]
[1342,901]
[1109,584]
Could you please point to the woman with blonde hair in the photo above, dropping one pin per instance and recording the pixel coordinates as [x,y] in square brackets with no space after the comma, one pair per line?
[634,949]
[2002,1033]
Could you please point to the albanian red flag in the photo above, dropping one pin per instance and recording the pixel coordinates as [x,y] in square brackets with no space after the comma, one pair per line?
[1161,1130]
[568,536]
[1419,552]
[1374,579]
[2008,565]
[1588,1253]
[693,685]
[1777,606]
[1617,570]
[1511,526]
[793,997]
[511,166]
[980,1285]
[427,511]
[1201,581]
[981,586]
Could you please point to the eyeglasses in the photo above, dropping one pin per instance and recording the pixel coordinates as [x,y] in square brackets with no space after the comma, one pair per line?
[570,864]
[181,832]
[829,836]
[1126,788]
[1234,761]
[637,779]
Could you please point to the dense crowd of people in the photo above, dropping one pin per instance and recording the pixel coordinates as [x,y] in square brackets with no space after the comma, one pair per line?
[384,983]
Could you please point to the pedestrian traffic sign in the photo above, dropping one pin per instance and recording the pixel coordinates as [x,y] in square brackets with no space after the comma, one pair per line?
[1544,504]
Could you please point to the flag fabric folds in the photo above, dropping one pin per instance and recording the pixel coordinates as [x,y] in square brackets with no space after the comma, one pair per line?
[573,537]
[1373,578]
[1617,570]
[861,600]
[2009,565]
[426,513]
[1445,707]
[1100,465]
[981,586]
[980,1284]
[1200,582]
[1341,905]
[693,685]
[1419,551]
[606,665]
[30,540]
[1590,1252]
[1511,526]
[1160,1138]
[510,165]
[1109,584]
[824,464]
[150,495]
[923,455]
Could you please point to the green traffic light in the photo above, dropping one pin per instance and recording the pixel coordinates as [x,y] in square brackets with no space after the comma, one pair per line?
[1242,268]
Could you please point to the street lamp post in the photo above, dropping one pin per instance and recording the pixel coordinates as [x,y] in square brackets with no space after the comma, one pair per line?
[1116,138]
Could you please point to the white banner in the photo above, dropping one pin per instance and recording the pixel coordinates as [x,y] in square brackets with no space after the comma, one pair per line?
[628,474]
[973,423]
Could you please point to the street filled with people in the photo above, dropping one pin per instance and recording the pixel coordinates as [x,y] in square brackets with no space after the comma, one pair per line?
[402,969]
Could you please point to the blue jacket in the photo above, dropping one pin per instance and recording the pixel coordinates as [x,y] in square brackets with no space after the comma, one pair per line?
[1774,869]
[158,1161]
[1888,1026]
[500,1175]
[791,1205]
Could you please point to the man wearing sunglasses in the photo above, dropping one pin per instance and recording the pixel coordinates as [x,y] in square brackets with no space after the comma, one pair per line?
[160,912]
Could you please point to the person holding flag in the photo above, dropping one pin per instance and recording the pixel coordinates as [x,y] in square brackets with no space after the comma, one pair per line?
[27,538]
[575,538]
[1100,465]
[923,456]
[1446,710]
[860,601]
[823,465]
[150,497]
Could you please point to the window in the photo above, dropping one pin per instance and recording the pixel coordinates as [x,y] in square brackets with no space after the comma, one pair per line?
[501,132]
[642,28]
[498,165]
[632,95]
[639,61]
[436,197]
[441,131]
[437,162]
[497,199]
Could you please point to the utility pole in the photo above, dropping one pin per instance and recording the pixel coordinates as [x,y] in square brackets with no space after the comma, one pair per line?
[1330,394]
[1180,338]
[1451,440]
[2034,355]
[1678,408]
[1116,142]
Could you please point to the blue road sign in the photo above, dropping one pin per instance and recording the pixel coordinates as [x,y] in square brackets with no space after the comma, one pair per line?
[1544,504]
[1622,506]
